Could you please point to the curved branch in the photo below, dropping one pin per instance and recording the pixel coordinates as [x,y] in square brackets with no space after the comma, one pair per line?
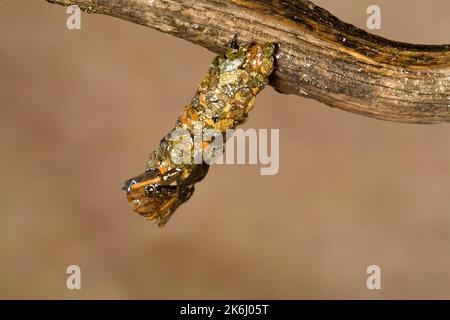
[319,56]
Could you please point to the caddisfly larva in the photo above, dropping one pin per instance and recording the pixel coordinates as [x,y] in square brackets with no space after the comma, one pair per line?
[222,101]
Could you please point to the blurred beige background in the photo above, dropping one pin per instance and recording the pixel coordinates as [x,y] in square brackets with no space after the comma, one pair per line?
[82,110]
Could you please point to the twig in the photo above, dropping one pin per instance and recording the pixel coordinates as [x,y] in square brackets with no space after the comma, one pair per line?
[319,56]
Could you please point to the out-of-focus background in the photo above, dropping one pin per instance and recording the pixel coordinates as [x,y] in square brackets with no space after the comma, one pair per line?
[81,110]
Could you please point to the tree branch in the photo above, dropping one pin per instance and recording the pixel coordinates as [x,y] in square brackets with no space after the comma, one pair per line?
[319,56]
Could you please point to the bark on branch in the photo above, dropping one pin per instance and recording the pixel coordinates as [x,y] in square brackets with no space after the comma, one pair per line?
[319,56]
